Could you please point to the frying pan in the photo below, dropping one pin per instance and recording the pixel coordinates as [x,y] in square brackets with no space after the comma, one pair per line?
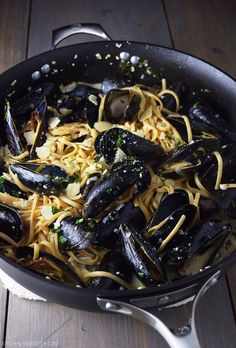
[91,62]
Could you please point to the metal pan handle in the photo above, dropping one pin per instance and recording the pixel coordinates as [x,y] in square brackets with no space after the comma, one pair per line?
[62,33]
[184,337]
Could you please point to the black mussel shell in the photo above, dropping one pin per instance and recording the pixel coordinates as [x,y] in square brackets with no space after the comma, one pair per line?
[45,179]
[44,265]
[11,223]
[132,145]
[168,99]
[204,118]
[83,91]
[208,207]
[163,232]
[141,256]
[77,233]
[90,182]
[196,241]
[168,205]
[25,105]
[12,136]
[179,125]
[227,200]
[109,225]
[121,106]
[208,173]
[113,262]
[10,188]
[41,116]
[122,176]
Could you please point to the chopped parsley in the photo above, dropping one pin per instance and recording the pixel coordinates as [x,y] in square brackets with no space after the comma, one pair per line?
[54,210]
[62,240]
[177,142]
[141,274]
[137,170]
[79,221]
[119,141]
[109,190]
[97,159]
[56,230]
[15,193]
[129,152]
[2,180]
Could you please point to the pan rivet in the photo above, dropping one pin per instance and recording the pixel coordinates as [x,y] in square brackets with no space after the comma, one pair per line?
[36,75]
[135,60]
[111,306]
[45,68]
[124,55]
[163,300]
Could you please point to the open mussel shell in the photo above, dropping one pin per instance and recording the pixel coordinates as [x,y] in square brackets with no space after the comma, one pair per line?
[11,223]
[204,118]
[169,203]
[48,265]
[208,173]
[12,136]
[109,225]
[160,236]
[122,176]
[28,103]
[113,262]
[197,240]
[184,160]
[11,189]
[40,117]
[227,201]
[168,99]
[131,144]
[142,257]
[90,182]
[121,106]
[77,232]
[44,179]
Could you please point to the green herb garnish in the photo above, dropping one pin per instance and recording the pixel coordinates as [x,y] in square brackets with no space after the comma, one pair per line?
[54,210]
[141,274]
[119,141]
[137,170]
[62,240]
[2,180]
[97,159]
[109,190]
[56,230]
[177,142]
[15,193]
[79,221]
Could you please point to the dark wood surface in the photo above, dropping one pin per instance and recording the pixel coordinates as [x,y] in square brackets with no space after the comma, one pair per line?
[204,28]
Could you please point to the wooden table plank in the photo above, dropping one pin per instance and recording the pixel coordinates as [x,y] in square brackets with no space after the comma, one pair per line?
[58,326]
[206,29]
[14,15]
[124,20]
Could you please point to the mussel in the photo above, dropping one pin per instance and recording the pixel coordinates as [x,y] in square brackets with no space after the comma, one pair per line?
[13,139]
[121,106]
[109,224]
[10,188]
[227,201]
[45,179]
[142,257]
[196,241]
[115,263]
[176,223]
[49,266]
[123,175]
[77,232]
[131,144]
[11,223]
[168,100]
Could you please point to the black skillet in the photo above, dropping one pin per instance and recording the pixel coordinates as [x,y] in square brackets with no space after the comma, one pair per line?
[91,62]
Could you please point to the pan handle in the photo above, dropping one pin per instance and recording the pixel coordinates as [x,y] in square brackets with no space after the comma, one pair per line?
[184,337]
[62,33]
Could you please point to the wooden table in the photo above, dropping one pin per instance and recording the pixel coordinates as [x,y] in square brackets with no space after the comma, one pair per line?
[204,28]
